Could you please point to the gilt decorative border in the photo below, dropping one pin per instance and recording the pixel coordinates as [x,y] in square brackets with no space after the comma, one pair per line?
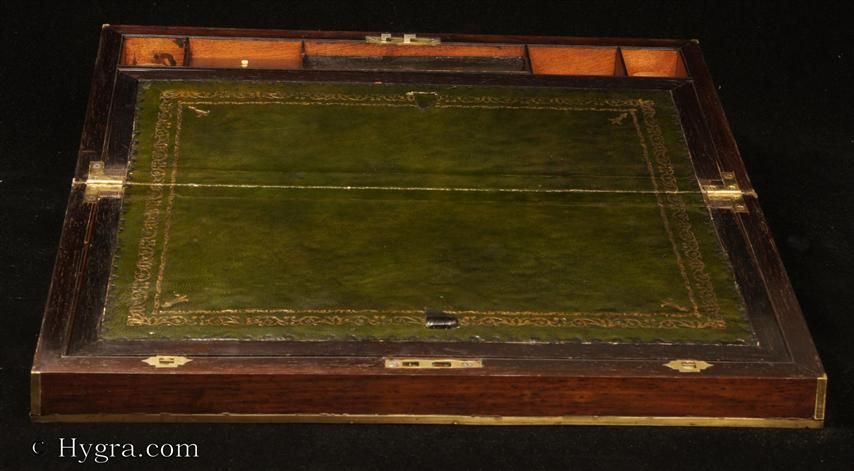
[705,312]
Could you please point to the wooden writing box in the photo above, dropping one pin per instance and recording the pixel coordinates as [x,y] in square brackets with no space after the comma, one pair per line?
[356,227]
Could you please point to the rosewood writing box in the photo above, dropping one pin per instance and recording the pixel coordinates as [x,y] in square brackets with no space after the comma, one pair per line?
[358,227]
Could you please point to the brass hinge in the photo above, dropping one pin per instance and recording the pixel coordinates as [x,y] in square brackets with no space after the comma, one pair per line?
[433,363]
[407,39]
[166,361]
[688,366]
[726,193]
[102,182]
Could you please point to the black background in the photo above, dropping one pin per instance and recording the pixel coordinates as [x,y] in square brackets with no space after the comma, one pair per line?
[784,74]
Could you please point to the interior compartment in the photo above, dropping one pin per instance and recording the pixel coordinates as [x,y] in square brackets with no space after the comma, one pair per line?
[245,53]
[653,63]
[559,60]
[149,51]
[334,54]
[443,57]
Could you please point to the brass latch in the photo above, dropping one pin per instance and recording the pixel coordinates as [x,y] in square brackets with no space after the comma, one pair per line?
[433,363]
[406,39]
[166,361]
[726,193]
[688,366]
[102,182]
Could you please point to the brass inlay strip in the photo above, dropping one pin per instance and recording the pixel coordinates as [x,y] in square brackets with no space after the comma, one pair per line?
[441,419]
[820,397]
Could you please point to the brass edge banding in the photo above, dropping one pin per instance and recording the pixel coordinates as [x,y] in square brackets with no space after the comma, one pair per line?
[820,396]
[35,393]
[443,419]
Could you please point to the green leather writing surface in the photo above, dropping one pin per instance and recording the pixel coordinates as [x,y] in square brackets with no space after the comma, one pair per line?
[344,211]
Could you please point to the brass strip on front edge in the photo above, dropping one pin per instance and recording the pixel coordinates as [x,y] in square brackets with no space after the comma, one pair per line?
[820,396]
[35,393]
[443,419]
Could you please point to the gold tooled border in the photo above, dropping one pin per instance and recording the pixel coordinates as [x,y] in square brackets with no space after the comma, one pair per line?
[760,422]
[820,397]
[166,111]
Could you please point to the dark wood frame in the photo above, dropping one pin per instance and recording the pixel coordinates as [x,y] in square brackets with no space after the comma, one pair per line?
[779,382]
